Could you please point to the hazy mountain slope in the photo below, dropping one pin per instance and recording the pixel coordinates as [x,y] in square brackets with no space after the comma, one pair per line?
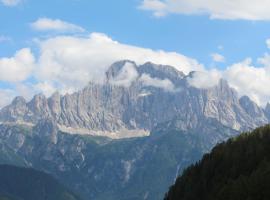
[236,170]
[101,168]
[28,184]
[133,99]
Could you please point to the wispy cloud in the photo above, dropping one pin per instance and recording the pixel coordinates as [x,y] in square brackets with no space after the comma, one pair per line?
[47,24]
[216,57]
[165,84]
[11,3]
[221,9]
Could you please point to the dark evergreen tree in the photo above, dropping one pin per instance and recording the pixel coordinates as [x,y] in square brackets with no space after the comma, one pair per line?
[238,169]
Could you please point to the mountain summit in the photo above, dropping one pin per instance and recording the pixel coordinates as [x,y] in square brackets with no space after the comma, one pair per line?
[135,99]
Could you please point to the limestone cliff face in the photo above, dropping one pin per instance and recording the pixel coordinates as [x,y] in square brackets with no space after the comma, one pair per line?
[138,98]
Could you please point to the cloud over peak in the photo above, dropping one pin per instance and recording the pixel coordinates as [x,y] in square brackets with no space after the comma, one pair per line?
[71,61]
[67,63]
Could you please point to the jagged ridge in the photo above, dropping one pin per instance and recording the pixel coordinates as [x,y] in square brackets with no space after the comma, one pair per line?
[134,99]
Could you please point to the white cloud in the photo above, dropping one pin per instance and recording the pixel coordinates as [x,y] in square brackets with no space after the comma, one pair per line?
[46,24]
[70,62]
[17,68]
[126,76]
[216,9]
[11,3]
[250,80]
[46,88]
[165,84]
[244,77]
[157,6]
[216,57]
[205,79]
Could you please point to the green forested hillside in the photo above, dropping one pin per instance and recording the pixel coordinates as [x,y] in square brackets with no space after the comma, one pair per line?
[28,184]
[238,169]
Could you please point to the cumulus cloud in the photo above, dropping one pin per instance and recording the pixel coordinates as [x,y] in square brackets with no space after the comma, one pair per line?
[165,84]
[216,57]
[46,24]
[11,3]
[250,80]
[222,9]
[69,62]
[17,68]
[244,77]
[205,79]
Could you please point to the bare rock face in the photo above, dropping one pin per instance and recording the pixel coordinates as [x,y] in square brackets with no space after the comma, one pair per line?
[15,111]
[48,129]
[267,111]
[138,98]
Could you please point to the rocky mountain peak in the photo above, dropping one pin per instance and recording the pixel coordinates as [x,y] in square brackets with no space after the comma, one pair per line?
[225,92]
[250,107]
[39,106]
[135,99]
[161,72]
[122,69]
[15,111]
[18,101]
[116,68]
[267,110]
[39,98]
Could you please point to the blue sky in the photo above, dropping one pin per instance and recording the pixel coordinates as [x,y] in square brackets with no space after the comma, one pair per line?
[197,31]
[194,36]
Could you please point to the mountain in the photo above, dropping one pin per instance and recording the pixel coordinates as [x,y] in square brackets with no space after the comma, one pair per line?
[104,169]
[28,184]
[117,139]
[132,100]
[238,169]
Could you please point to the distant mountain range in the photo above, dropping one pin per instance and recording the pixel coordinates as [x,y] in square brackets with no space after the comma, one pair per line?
[141,126]
[28,184]
[134,99]
[238,169]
